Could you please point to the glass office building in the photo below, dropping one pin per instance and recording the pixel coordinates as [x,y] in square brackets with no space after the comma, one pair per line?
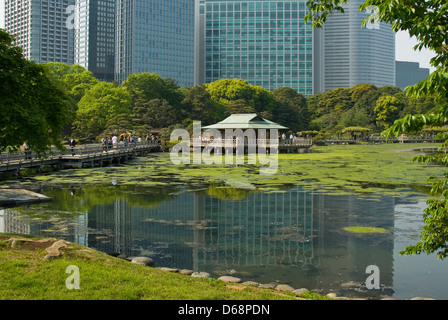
[264,42]
[155,36]
[41,29]
[95,37]
[356,55]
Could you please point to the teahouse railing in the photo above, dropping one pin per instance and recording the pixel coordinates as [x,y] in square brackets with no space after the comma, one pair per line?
[296,142]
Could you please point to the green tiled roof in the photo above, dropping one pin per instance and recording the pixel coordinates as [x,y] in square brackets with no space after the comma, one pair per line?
[245,121]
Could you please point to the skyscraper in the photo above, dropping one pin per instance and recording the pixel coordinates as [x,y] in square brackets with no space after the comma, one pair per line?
[155,36]
[264,42]
[354,55]
[41,29]
[95,37]
[409,73]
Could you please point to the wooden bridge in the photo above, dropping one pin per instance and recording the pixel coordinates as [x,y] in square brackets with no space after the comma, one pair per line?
[380,140]
[78,157]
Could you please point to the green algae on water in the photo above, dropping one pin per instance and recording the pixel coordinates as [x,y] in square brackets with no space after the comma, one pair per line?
[365,230]
[337,169]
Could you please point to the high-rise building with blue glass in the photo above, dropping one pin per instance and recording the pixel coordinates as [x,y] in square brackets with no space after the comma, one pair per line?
[155,36]
[355,54]
[265,42]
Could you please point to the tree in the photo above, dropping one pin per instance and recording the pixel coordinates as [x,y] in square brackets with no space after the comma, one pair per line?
[198,104]
[354,117]
[354,131]
[161,113]
[240,97]
[98,106]
[120,124]
[291,110]
[74,78]
[364,97]
[148,86]
[33,107]
[427,21]
[387,110]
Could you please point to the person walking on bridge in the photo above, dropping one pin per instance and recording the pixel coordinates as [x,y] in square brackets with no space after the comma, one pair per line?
[72,145]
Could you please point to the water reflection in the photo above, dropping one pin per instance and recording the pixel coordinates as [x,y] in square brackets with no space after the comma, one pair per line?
[294,236]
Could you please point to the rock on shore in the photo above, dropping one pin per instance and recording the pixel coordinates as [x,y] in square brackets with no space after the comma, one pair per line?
[18,197]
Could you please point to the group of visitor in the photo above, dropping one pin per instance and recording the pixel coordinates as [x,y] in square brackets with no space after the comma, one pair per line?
[113,140]
[292,137]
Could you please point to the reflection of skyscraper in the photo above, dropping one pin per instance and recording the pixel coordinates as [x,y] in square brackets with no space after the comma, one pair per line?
[95,37]
[41,29]
[113,224]
[354,252]
[354,55]
[155,36]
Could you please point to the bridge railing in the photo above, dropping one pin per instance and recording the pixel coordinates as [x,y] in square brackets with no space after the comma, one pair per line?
[21,156]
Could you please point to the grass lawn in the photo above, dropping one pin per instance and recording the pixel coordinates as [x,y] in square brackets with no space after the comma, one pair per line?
[26,275]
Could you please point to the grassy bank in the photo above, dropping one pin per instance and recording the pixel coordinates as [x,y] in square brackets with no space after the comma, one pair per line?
[26,275]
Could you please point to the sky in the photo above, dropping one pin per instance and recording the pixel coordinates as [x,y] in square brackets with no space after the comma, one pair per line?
[404,50]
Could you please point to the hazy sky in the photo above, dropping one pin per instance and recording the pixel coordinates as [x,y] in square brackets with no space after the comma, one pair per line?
[404,51]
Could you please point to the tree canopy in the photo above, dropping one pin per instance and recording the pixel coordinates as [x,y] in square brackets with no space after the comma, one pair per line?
[98,106]
[33,108]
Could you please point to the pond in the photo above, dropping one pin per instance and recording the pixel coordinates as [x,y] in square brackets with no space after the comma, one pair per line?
[289,228]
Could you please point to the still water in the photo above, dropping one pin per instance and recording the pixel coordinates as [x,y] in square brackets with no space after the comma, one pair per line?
[293,235]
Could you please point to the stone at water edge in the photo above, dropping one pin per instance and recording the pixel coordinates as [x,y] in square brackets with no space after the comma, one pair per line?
[186,272]
[251,283]
[201,275]
[173,270]
[284,287]
[230,279]
[267,285]
[300,291]
[144,261]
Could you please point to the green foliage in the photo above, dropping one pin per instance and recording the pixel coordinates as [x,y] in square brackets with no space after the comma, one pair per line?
[160,103]
[362,105]
[354,117]
[98,106]
[292,109]
[387,109]
[75,79]
[162,113]
[198,103]
[148,86]
[33,107]
[240,97]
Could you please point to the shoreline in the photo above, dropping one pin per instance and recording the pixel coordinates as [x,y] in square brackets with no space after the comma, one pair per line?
[19,197]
